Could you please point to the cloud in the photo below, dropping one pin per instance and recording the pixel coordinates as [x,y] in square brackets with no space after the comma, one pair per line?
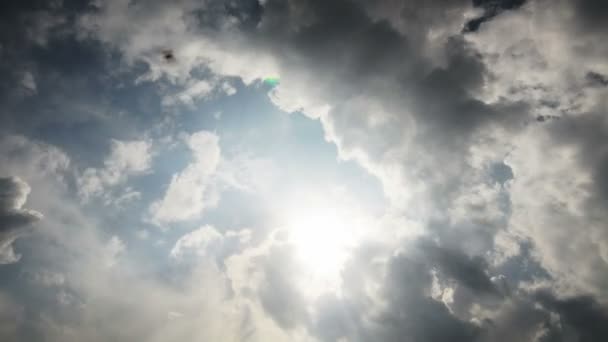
[415,120]
[32,159]
[396,323]
[28,82]
[77,265]
[11,314]
[590,13]
[113,250]
[197,90]
[126,158]
[431,112]
[48,278]
[14,220]
[165,26]
[249,173]
[491,8]
[586,317]
[364,311]
[207,242]
[279,292]
[191,190]
[490,143]
[466,270]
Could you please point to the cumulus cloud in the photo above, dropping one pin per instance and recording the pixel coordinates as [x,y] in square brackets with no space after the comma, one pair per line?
[126,158]
[32,159]
[196,90]
[191,190]
[207,242]
[14,219]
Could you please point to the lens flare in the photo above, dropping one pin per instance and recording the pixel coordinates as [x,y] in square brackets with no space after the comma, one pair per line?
[272,81]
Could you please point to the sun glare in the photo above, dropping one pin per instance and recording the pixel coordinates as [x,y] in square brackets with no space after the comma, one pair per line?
[321,236]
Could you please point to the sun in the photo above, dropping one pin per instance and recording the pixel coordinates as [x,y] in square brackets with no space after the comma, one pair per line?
[322,236]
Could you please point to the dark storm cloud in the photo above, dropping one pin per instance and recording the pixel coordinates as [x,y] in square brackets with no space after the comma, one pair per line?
[444,98]
[408,286]
[333,36]
[352,54]
[410,312]
[491,8]
[466,270]
[14,220]
[593,14]
[247,12]
[596,79]
[586,319]
[519,319]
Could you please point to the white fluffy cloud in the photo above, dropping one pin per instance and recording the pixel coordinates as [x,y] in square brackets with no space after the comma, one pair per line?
[143,33]
[31,159]
[26,164]
[14,220]
[208,242]
[195,90]
[191,190]
[126,158]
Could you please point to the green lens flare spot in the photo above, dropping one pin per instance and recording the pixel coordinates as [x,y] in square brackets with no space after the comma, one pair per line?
[272,81]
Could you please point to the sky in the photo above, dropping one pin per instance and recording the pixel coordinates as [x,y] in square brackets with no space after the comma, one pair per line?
[304,170]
